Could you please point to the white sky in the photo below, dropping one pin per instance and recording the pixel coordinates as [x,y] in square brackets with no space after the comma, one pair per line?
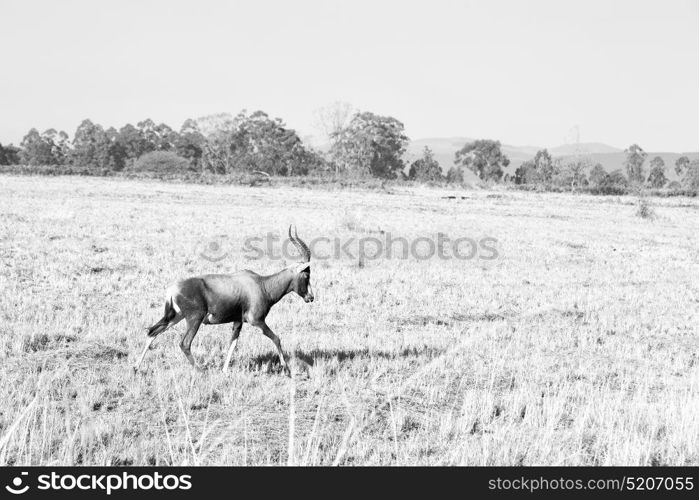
[524,72]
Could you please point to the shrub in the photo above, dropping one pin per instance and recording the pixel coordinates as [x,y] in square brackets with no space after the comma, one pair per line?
[455,175]
[161,162]
[614,183]
[690,181]
[644,209]
[526,173]
[425,168]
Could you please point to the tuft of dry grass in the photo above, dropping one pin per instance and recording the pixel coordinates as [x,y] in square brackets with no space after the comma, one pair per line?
[577,346]
[644,209]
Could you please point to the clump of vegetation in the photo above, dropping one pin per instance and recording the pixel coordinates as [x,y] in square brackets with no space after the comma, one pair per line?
[426,168]
[371,145]
[161,162]
[644,209]
[484,158]
[635,158]
[690,180]
[657,178]
[455,175]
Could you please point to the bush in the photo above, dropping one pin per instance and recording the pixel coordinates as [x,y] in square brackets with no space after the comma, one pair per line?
[644,209]
[455,175]
[608,189]
[690,181]
[161,162]
[426,168]
[53,170]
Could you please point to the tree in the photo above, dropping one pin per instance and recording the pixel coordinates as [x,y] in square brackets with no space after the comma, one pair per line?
[36,150]
[49,148]
[681,164]
[149,135]
[190,143]
[526,173]
[425,168]
[330,120]
[615,182]
[612,183]
[571,173]
[156,137]
[223,144]
[370,145]
[117,152]
[691,177]
[455,175]
[253,142]
[217,123]
[635,157]
[9,155]
[657,178]
[598,175]
[543,164]
[484,158]
[60,145]
[90,146]
[132,141]
[271,147]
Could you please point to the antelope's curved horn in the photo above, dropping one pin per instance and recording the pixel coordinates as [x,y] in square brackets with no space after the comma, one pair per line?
[300,245]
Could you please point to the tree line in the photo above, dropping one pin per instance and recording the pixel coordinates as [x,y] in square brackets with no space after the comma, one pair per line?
[362,144]
[368,145]
[578,172]
[217,143]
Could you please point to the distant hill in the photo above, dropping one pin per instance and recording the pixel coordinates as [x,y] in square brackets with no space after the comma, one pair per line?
[584,148]
[445,148]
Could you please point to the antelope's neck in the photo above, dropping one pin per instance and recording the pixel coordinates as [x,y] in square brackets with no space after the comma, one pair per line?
[278,285]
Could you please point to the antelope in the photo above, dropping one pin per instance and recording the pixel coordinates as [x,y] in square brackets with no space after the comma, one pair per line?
[242,297]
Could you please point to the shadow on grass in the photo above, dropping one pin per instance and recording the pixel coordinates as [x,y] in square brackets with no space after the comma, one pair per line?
[449,320]
[271,359]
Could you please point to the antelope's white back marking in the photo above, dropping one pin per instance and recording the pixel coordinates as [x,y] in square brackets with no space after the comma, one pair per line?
[171,297]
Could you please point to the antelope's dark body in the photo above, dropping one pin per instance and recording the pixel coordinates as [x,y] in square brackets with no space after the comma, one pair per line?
[242,297]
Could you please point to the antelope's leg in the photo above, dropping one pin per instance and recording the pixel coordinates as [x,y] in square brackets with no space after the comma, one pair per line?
[237,326]
[151,338]
[193,324]
[277,343]
[149,341]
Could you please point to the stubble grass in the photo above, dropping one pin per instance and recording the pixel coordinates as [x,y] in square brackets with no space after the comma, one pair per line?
[577,345]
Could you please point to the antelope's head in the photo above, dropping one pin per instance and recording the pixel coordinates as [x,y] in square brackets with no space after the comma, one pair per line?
[302,271]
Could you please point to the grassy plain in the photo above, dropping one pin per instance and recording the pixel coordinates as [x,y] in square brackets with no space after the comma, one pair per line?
[577,345]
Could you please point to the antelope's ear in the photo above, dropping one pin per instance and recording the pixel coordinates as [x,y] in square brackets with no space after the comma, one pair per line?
[302,266]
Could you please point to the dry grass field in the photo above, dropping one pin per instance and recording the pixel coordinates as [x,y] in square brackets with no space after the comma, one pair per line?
[577,345]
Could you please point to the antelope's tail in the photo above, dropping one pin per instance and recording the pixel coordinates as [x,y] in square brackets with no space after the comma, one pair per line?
[163,323]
